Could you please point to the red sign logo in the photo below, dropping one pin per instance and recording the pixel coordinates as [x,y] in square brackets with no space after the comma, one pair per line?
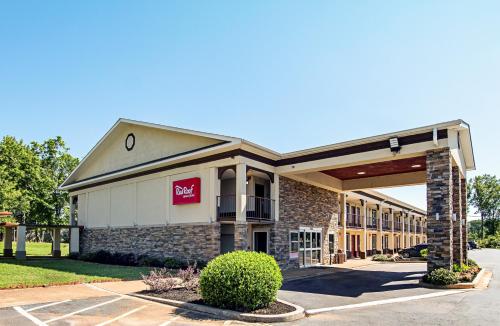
[186,191]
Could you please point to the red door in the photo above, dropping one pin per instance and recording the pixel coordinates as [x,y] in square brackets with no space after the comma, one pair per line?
[353,246]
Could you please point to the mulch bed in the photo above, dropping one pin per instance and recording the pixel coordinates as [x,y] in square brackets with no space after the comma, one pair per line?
[184,295]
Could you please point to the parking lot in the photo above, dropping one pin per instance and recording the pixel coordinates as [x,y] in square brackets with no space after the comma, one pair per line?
[381,294]
[104,310]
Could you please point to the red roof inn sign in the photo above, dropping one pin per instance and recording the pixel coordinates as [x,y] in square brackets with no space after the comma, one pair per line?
[186,191]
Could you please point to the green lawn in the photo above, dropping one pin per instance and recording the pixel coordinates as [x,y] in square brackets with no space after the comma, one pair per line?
[39,248]
[43,272]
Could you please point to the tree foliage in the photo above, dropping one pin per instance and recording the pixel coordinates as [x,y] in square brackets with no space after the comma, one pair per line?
[30,175]
[484,194]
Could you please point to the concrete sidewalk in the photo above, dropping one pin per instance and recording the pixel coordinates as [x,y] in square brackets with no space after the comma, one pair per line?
[299,273]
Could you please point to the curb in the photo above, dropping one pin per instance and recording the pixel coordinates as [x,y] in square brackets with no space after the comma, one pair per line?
[230,314]
[463,285]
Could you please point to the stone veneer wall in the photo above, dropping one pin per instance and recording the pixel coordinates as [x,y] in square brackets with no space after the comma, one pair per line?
[303,205]
[463,193]
[457,210]
[182,241]
[439,200]
[240,236]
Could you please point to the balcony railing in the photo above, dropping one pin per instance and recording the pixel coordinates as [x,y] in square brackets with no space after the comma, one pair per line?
[258,208]
[419,229]
[386,225]
[354,221]
[371,223]
[397,226]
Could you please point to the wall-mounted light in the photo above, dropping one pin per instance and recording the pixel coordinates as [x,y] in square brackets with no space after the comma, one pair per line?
[361,172]
[437,216]
[416,166]
[394,144]
[454,215]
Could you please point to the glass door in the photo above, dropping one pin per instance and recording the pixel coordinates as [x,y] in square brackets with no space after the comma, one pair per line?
[309,247]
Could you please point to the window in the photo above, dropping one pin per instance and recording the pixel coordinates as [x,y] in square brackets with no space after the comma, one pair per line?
[331,243]
[294,245]
[347,242]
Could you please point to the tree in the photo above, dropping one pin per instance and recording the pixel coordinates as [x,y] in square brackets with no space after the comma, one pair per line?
[29,178]
[484,194]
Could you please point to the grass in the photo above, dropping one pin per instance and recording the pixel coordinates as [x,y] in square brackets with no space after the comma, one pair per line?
[39,248]
[44,272]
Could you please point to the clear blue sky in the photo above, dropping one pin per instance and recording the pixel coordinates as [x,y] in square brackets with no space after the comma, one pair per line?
[284,74]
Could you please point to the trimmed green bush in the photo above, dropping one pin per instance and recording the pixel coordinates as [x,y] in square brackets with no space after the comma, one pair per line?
[241,280]
[381,258]
[472,263]
[424,253]
[442,276]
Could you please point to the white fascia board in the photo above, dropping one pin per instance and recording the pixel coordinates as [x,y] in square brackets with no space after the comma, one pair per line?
[373,138]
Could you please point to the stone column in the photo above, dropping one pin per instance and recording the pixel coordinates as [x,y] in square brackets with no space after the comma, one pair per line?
[74,240]
[439,209]
[7,242]
[463,222]
[21,242]
[240,236]
[457,216]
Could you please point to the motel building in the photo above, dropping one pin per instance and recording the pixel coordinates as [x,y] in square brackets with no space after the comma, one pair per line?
[154,190]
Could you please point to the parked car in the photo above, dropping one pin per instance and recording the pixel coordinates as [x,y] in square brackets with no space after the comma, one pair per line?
[413,251]
[471,244]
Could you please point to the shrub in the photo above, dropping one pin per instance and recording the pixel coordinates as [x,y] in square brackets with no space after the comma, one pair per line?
[442,276]
[173,263]
[381,258]
[149,261]
[241,280]
[103,257]
[460,268]
[424,253]
[492,241]
[124,259]
[160,280]
[472,263]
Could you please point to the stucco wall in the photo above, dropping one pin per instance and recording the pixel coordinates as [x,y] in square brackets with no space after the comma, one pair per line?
[144,202]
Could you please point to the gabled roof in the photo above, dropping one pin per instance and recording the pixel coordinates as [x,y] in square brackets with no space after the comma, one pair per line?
[223,140]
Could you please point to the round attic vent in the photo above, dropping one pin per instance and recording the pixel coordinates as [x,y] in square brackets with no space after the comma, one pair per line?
[130,142]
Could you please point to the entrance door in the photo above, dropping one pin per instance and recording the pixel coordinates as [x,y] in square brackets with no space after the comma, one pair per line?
[310,247]
[260,241]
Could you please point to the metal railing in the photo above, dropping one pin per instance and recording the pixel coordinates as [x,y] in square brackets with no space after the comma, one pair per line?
[354,220]
[386,225]
[372,223]
[397,226]
[257,207]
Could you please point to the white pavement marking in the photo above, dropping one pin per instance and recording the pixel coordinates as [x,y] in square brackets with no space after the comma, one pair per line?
[84,309]
[47,305]
[381,302]
[168,322]
[35,320]
[121,316]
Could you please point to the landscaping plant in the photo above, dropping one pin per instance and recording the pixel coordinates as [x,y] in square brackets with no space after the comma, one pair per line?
[381,257]
[424,253]
[442,276]
[160,280]
[241,280]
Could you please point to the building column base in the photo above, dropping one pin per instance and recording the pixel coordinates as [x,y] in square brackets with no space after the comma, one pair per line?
[20,254]
[8,252]
[56,253]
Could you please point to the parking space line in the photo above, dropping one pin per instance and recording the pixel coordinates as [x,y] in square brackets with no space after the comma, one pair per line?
[168,322]
[84,309]
[122,315]
[47,305]
[35,320]
[385,301]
